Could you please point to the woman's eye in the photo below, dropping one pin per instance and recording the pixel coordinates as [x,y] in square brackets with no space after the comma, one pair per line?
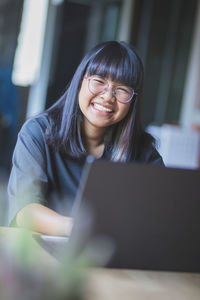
[98,81]
[123,90]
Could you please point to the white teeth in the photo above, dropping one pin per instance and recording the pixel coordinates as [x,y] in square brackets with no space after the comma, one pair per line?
[100,107]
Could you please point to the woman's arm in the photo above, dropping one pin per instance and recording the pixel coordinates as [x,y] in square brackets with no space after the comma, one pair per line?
[28,184]
[41,219]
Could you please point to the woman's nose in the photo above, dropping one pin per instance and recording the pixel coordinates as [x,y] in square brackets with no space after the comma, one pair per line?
[109,93]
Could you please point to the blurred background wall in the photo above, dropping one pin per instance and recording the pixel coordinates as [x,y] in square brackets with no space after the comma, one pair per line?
[166,34]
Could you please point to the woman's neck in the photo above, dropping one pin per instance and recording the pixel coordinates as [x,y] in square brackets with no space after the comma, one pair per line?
[93,139]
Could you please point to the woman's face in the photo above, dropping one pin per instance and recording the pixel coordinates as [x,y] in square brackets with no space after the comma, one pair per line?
[101,110]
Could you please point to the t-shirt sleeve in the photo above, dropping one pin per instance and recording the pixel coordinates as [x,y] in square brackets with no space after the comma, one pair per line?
[28,178]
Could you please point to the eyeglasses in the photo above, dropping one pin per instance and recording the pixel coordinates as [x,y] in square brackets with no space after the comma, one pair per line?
[98,86]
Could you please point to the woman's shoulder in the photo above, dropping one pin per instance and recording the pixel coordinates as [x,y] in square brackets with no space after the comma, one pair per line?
[34,131]
[37,125]
[150,155]
[148,151]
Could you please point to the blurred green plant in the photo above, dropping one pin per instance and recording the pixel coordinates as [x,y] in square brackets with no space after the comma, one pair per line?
[27,272]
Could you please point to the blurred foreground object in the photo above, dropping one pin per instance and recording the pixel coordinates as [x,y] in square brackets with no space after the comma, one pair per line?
[27,271]
[178,146]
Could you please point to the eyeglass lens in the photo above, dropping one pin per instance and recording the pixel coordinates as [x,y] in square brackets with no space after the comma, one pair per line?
[99,86]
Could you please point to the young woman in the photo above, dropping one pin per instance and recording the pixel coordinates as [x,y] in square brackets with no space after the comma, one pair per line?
[99,114]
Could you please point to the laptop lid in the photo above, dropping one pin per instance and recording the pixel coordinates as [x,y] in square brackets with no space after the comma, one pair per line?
[150,213]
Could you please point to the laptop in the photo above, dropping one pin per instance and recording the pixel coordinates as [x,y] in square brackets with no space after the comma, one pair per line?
[139,216]
[150,213]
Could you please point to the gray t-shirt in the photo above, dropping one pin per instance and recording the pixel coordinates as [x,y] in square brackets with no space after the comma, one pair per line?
[44,175]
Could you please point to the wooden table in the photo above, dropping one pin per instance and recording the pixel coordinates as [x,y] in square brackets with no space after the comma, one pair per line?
[142,285]
[107,284]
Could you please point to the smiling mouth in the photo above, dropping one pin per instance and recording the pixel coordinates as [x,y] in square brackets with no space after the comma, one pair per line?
[102,108]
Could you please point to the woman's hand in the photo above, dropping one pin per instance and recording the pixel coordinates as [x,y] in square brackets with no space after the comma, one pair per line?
[44,220]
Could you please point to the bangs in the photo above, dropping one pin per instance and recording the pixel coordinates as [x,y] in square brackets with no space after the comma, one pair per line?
[117,64]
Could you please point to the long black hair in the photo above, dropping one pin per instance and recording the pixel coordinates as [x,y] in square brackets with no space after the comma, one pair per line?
[126,139]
